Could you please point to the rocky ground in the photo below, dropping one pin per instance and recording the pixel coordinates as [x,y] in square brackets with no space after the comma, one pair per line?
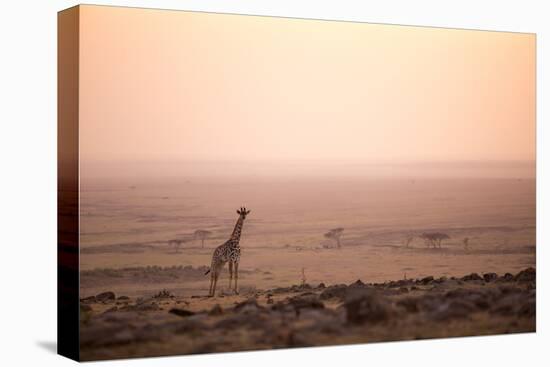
[117,326]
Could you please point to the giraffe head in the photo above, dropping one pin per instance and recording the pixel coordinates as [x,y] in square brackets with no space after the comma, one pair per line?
[243,212]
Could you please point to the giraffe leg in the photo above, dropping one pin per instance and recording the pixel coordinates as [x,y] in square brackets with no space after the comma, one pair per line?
[213,294]
[230,273]
[211,283]
[236,276]
[216,276]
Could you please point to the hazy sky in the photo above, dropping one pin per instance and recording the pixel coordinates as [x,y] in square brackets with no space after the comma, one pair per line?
[172,85]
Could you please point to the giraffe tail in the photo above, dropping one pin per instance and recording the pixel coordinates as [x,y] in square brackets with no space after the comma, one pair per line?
[208,271]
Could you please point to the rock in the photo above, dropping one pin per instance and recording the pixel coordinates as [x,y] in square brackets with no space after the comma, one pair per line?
[527,275]
[181,312]
[366,308]
[85,308]
[489,277]
[426,280]
[90,299]
[301,287]
[123,298]
[121,318]
[105,296]
[248,306]
[506,278]
[334,291]
[216,310]
[400,283]
[471,277]
[357,283]
[403,290]
[302,302]
[270,301]
[144,306]
[112,309]
[321,286]
[281,290]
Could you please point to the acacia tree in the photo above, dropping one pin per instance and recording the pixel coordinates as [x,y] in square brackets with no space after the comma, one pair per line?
[202,234]
[335,235]
[176,244]
[428,239]
[434,238]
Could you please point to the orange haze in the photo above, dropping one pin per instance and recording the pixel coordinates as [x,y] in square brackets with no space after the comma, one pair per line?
[162,86]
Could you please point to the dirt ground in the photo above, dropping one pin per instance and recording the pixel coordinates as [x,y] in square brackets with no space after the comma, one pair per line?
[118,326]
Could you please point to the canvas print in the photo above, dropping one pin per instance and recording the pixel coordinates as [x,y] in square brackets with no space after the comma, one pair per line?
[252,182]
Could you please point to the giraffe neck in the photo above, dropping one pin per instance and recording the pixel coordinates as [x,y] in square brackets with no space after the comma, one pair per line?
[236,235]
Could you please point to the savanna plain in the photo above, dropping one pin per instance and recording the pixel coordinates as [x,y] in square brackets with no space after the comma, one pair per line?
[324,261]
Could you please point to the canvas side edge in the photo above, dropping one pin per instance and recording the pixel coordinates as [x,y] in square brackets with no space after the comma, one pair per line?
[68,184]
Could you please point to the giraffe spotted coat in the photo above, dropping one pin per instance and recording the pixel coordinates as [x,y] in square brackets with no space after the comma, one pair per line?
[229,252]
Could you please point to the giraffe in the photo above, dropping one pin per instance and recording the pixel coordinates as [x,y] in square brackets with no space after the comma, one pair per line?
[228,252]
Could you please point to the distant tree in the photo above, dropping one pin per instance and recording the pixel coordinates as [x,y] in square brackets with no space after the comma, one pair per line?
[335,235]
[304,280]
[202,234]
[434,238]
[408,240]
[429,239]
[176,244]
[441,237]
[171,243]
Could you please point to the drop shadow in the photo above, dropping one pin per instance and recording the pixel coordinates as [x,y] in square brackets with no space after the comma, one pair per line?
[50,346]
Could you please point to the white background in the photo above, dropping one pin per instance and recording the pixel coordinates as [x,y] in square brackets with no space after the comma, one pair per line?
[28,182]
